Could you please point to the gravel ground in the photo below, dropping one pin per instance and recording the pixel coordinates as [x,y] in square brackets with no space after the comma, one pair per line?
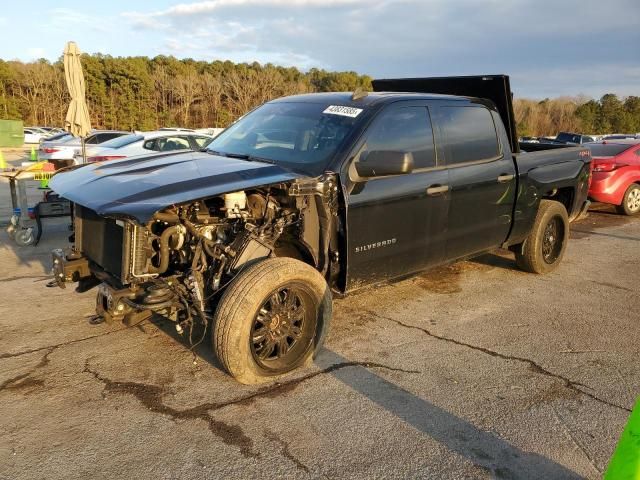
[475,370]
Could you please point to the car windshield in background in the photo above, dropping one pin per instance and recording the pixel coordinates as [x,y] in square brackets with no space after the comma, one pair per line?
[122,141]
[287,133]
[608,149]
[60,137]
[568,137]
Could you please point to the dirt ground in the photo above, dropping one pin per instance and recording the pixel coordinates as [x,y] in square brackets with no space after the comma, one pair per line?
[475,370]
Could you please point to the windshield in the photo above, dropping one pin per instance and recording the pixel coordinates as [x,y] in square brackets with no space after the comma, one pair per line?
[288,133]
[122,141]
[568,137]
[607,149]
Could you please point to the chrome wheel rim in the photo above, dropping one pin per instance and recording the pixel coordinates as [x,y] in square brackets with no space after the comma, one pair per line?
[633,200]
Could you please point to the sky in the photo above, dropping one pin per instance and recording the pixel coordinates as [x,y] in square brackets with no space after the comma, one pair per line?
[549,48]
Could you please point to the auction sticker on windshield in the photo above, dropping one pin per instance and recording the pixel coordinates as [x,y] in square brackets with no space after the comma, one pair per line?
[344,111]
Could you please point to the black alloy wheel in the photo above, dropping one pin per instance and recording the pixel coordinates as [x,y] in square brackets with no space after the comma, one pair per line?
[283,328]
[552,240]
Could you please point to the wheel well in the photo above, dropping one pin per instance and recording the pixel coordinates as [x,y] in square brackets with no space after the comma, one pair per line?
[563,195]
[292,249]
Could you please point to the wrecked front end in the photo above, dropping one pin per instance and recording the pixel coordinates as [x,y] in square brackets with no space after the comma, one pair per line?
[177,262]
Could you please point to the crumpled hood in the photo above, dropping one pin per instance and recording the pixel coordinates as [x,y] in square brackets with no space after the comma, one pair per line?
[138,187]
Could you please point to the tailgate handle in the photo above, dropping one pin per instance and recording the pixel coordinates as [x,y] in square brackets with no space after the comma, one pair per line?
[505,177]
[434,190]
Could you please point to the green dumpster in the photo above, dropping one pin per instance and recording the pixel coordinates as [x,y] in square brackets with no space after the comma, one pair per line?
[11,133]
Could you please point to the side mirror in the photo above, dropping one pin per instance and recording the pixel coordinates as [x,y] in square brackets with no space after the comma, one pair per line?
[379,163]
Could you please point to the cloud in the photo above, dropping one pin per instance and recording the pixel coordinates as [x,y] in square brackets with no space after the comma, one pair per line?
[589,42]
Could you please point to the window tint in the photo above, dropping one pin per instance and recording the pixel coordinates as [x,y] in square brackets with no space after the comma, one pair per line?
[150,145]
[122,141]
[406,129]
[168,144]
[105,137]
[470,134]
[91,139]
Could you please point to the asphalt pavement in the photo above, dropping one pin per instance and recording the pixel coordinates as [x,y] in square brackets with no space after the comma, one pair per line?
[474,370]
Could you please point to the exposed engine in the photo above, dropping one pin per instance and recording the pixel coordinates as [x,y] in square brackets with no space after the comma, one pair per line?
[186,254]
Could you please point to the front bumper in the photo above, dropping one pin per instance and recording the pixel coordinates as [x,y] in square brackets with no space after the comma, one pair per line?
[129,304]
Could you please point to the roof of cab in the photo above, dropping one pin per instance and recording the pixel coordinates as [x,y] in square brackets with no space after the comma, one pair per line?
[372,98]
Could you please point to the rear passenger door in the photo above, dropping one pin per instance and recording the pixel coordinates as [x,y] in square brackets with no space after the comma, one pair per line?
[481,179]
[396,224]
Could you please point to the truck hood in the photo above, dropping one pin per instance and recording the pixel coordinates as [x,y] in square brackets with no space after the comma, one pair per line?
[138,187]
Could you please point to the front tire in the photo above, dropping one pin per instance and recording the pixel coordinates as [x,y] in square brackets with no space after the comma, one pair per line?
[630,201]
[544,248]
[271,319]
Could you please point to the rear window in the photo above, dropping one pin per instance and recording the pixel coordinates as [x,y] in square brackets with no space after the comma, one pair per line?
[470,134]
[122,141]
[607,149]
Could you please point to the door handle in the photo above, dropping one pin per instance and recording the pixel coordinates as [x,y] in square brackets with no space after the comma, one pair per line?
[504,178]
[434,190]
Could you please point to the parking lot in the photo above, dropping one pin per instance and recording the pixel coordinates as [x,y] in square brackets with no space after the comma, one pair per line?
[473,370]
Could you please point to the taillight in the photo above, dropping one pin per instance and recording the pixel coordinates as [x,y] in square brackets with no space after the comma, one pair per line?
[607,166]
[104,158]
[49,150]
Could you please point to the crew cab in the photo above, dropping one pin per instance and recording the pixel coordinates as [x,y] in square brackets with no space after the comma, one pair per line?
[313,196]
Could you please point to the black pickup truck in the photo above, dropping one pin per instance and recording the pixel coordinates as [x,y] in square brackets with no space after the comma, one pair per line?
[312,196]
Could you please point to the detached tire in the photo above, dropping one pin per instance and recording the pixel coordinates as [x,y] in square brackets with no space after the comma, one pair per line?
[271,319]
[544,248]
[631,201]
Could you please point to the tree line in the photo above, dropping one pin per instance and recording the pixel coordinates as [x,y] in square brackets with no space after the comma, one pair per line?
[144,93]
[609,114]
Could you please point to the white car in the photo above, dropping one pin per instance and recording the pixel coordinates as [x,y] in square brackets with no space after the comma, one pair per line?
[143,143]
[33,135]
[65,148]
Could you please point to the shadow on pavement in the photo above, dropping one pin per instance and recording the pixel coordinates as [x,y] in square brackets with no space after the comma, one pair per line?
[484,449]
[500,260]
[55,235]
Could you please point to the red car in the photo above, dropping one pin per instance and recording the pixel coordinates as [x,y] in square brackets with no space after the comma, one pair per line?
[616,175]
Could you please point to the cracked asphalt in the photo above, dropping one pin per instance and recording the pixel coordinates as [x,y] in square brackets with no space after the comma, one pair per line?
[475,370]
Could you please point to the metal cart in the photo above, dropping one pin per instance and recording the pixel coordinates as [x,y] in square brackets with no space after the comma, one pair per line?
[25,227]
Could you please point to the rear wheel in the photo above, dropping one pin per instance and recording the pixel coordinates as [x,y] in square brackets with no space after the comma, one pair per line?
[271,319]
[544,248]
[631,201]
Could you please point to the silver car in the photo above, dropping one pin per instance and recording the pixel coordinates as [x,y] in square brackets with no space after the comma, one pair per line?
[143,143]
[64,149]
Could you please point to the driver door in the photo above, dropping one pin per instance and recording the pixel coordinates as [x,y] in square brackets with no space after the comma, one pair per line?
[396,224]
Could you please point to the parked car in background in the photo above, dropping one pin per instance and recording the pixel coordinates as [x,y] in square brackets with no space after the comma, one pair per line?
[143,143]
[61,152]
[573,138]
[621,136]
[51,130]
[57,137]
[175,129]
[214,131]
[616,174]
[33,135]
